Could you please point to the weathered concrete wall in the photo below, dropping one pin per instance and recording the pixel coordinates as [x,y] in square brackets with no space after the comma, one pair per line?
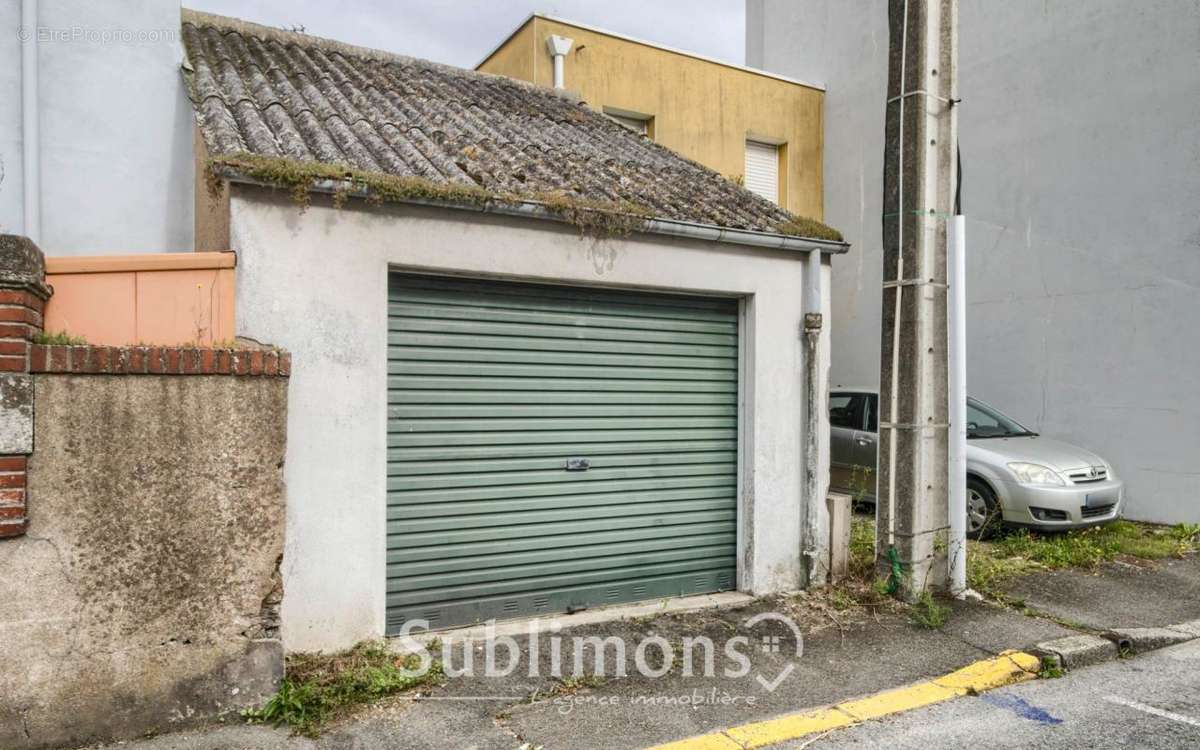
[316,284]
[116,127]
[1080,153]
[144,593]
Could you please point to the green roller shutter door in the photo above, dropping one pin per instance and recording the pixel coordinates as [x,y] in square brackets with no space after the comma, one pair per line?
[494,387]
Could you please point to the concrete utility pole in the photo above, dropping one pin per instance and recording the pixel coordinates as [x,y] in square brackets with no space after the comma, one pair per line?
[919,177]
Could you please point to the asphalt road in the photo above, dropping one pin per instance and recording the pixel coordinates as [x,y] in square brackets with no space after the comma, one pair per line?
[1152,701]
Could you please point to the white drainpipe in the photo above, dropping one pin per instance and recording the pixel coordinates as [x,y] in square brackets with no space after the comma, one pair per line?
[957,549]
[558,46]
[30,148]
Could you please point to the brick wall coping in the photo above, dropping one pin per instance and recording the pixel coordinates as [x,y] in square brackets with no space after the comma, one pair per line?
[157,360]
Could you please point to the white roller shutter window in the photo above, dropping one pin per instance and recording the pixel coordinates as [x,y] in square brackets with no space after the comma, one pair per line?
[762,170]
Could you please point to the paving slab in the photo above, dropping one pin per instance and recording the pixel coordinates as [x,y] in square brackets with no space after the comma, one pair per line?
[993,628]
[1117,595]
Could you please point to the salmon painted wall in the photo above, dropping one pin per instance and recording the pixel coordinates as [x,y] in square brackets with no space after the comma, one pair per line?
[149,298]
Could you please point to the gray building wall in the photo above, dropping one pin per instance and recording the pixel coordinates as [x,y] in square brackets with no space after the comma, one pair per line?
[116,127]
[1081,160]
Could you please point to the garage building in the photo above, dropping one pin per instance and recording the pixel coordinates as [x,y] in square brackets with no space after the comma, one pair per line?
[540,364]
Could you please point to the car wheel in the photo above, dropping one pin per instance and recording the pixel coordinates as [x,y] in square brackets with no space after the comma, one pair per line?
[983,512]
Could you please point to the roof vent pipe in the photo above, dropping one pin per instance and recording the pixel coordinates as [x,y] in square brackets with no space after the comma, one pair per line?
[558,46]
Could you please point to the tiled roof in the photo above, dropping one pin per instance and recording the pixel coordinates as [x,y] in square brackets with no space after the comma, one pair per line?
[267,92]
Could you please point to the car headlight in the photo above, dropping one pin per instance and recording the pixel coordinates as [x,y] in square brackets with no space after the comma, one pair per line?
[1035,474]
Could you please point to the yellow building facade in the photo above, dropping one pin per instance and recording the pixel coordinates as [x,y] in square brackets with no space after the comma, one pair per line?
[754,127]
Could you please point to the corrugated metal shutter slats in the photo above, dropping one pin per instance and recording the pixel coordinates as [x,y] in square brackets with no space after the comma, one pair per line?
[493,386]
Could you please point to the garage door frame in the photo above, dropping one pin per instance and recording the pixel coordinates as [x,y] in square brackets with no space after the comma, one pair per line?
[744,395]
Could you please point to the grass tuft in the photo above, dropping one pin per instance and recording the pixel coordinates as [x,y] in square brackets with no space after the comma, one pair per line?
[1051,669]
[61,338]
[929,612]
[989,564]
[862,548]
[842,600]
[1187,532]
[321,687]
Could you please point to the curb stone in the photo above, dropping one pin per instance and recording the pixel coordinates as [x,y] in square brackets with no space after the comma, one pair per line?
[1079,650]
[1141,640]
[1084,650]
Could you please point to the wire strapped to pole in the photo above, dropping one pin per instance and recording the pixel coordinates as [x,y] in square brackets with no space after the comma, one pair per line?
[921,92]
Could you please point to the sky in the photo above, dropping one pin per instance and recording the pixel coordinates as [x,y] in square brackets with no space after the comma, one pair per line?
[461,32]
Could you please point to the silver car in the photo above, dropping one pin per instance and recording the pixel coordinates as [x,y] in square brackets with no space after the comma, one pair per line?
[1014,475]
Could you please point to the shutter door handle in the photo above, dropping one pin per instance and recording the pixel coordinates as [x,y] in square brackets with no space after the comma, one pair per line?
[578,464]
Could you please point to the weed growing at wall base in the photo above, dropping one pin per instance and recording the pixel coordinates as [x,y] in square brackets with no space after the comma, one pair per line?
[928,612]
[319,687]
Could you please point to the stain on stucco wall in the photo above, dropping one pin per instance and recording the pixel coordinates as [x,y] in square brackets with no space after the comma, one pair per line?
[145,594]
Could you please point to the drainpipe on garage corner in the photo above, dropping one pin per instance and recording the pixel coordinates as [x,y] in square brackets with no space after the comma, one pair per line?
[813,403]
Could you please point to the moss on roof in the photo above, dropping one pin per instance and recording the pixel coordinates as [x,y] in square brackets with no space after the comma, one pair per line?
[800,226]
[593,217]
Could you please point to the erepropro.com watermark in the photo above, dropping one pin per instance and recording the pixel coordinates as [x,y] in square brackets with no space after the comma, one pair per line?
[95,35]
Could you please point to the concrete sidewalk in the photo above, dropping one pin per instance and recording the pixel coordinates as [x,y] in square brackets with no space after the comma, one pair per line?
[849,650]
[1120,594]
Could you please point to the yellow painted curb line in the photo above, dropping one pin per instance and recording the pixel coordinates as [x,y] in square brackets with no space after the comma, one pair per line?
[1008,668]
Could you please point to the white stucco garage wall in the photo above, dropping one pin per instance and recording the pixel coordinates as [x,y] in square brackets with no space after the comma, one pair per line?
[316,284]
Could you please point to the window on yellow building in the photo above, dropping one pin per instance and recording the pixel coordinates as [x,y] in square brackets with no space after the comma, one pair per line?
[762,169]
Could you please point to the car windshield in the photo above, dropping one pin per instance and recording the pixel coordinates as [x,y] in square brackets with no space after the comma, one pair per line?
[985,422]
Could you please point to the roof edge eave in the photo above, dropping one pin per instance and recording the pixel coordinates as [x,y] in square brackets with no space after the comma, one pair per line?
[538,210]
